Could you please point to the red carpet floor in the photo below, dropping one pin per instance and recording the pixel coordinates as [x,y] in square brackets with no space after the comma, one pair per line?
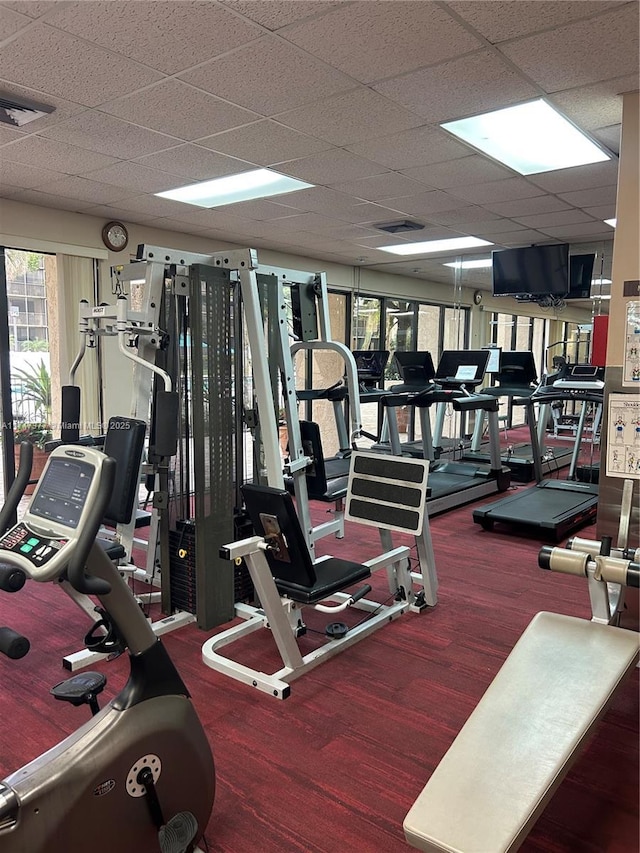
[338,765]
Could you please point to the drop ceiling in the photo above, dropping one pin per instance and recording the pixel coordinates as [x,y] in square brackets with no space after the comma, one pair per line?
[345,95]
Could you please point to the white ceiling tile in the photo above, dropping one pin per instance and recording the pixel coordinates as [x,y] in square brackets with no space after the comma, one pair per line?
[135,177]
[610,137]
[474,169]
[11,22]
[180,110]
[260,209]
[378,187]
[576,231]
[69,67]
[602,211]
[578,177]
[418,146]
[581,53]
[266,143]
[505,190]
[597,105]
[468,215]
[519,238]
[528,206]
[349,118]
[48,200]
[151,205]
[35,8]
[86,190]
[495,229]
[279,13]
[591,197]
[268,66]
[191,161]
[165,36]
[439,93]
[98,131]
[324,200]
[331,166]
[503,19]
[59,156]
[21,175]
[9,134]
[426,203]
[407,35]
[560,217]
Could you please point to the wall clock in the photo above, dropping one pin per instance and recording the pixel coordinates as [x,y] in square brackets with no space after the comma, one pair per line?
[477,297]
[115,236]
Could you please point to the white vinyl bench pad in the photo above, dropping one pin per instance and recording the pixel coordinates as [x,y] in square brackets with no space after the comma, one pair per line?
[517,745]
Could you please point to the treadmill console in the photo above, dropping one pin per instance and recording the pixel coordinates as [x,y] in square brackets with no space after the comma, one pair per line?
[41,544]
[462,368]
[586,377]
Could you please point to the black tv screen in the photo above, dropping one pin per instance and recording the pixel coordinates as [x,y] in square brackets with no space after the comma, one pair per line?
[534,271]
[580,276]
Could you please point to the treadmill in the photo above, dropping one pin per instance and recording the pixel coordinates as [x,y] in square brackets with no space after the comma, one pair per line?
[453,483]
[553,508]
[517,378]
[417,373]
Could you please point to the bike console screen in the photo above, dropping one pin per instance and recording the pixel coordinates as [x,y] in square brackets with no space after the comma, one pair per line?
[62,491]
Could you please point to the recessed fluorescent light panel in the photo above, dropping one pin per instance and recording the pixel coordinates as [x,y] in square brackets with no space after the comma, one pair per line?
[480,264]
[448,245]
[529,138]
[611,222]
[259,183]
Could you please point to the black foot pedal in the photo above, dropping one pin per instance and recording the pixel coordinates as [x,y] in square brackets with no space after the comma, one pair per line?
[81,689]
[336,630]
[178,834]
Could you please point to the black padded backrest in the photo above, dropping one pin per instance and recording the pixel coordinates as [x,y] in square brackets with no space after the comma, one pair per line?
[264,501]
[124,442]
[316,473]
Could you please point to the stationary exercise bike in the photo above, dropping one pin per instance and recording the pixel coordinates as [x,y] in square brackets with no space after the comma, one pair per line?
[138,777]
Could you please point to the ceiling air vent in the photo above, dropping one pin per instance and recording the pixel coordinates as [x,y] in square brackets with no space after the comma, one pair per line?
[400,226]
[19,111]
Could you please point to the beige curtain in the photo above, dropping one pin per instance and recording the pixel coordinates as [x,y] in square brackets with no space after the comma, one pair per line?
[75,281]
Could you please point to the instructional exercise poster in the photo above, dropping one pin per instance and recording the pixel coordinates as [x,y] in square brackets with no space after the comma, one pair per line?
[631,363]
[623,439]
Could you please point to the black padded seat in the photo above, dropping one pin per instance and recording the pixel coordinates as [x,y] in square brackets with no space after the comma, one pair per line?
[296,576]
[332,575]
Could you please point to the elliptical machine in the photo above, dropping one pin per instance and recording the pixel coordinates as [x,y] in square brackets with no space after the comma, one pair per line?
[139,775]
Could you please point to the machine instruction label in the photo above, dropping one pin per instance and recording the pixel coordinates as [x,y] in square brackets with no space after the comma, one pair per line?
[623,439]
[631,359]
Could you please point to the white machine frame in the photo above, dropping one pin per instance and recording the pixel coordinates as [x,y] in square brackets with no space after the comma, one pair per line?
[283,616]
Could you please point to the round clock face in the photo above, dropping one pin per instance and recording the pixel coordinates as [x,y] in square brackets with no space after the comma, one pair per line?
[115,236]
[477,297]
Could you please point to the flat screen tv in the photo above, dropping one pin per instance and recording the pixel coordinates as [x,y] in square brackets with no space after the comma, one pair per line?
[580,276]
[531,271]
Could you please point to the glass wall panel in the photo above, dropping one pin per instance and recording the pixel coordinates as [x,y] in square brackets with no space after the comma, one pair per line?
[523,334]
[455,328]
[399,324]
[429,330]
[366,331]
[538,344]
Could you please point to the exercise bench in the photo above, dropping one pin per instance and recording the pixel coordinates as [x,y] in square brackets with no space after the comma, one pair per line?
[527,730]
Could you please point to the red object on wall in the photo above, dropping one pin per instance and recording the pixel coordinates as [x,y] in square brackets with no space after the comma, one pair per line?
[599,340]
